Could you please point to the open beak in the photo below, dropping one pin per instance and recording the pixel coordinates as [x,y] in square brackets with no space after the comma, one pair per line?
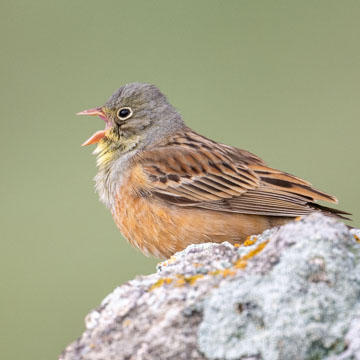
[96,137]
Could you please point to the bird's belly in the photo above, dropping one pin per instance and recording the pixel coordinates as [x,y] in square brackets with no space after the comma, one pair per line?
[161,230]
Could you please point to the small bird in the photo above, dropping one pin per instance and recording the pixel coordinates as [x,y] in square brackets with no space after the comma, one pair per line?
[168,187]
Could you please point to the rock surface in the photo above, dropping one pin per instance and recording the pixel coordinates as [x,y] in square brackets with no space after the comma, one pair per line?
[289,293]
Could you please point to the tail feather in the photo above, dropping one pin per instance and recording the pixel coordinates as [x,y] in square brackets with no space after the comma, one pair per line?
[330,211]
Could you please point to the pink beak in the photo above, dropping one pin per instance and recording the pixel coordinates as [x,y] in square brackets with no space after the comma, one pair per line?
[96,137]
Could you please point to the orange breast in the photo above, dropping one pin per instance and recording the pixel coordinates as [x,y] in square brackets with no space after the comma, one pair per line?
[161,229]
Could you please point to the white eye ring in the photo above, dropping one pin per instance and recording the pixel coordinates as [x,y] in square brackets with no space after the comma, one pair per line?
[126,113]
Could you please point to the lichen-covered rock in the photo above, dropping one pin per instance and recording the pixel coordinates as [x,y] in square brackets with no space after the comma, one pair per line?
[290,293]
[300,309]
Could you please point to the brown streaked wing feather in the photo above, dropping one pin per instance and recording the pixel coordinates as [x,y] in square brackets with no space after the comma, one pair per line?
[199,176]
[198,172]
[286,182]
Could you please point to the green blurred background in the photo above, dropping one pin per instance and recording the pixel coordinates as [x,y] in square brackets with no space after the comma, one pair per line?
[279,78]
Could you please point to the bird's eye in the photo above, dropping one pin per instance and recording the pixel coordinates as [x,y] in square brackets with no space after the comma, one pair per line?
[124,113]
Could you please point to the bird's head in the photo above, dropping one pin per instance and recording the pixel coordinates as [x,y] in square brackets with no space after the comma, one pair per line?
[137,115]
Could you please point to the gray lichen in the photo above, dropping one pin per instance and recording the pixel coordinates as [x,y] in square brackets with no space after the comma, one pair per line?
[290,293]
[300,309]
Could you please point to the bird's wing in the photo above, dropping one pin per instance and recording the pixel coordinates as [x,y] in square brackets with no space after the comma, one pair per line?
[192,171]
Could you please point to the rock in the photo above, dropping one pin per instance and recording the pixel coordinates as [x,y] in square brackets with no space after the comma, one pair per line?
[291,293]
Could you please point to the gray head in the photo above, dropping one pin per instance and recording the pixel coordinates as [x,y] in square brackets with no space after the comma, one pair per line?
[137,115]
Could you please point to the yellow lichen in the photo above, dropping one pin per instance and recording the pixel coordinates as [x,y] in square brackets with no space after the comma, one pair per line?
[298,218]
[242,262]
[239,264]
[357,238]
[214,272]
[160,283]
[228,272]
[191,280]
[167,262]
[224,272]
[180,282]
[250,241]
[126,322]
